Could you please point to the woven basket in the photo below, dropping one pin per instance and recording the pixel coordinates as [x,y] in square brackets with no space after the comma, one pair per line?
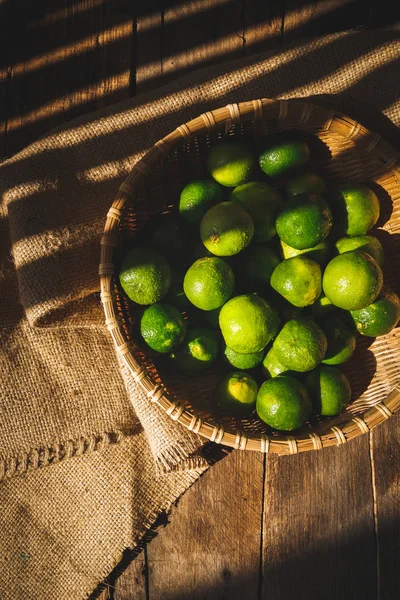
[346,151]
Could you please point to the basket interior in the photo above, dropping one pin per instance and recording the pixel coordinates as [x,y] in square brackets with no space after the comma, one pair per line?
[375,366]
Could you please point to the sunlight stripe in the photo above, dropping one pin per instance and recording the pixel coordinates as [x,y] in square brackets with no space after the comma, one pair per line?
[91,42]
[65,103]
[179,12]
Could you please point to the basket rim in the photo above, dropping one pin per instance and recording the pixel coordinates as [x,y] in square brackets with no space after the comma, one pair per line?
[295,112]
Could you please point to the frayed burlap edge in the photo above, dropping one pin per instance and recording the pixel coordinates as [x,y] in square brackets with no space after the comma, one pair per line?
[180,457]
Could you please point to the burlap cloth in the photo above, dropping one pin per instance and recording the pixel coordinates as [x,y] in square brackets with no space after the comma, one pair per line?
[86,462]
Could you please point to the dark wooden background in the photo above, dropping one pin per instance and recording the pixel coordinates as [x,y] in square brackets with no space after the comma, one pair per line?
[316,525]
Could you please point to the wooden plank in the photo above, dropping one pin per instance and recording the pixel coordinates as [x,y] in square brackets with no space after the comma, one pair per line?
[384,14]
[319,538]
[324,16]
[133,582]
[3,114]
[4,60]
[263,25]
[269,24]
[211,547]
[385,449]
[199,33]
[174,37]
[148,47]
[76,64]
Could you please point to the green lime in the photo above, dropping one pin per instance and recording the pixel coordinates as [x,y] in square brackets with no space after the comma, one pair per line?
[319,253]
[262,201]
[367,243]
[209,282]
[226,229]
[167,235]
[255,265]
[300,345]
[282,155]
[136,336]
[237,393]
[162,327]
[272,367]
[297,279]
[248,323]
[355,209]
[341,342]
[284,403]
[231,163]
[198,350]
[197,197]
[243,361]
[352,280]
[380,317]
[304,221]
[323,307]
[308,183]
[330,390]
[145,276]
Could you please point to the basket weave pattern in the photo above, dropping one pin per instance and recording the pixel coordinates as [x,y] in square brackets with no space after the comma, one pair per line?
[347,151]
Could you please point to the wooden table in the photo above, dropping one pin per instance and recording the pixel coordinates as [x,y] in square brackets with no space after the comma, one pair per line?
[315,525]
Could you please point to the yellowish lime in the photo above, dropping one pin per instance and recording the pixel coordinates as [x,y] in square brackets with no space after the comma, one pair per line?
[248,323]
[352,280]
[226,229]
[298,280]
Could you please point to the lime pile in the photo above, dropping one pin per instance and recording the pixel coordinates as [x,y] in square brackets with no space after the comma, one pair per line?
[266,272]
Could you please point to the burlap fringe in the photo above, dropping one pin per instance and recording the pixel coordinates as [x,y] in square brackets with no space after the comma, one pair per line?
[52,453]
[180,457]
[177,457]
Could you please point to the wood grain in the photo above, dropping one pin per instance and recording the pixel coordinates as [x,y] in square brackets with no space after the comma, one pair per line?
[133,582]
[3,114]
[76,64]
[147,53]
[384,14]
[324,16]
[263,25]
[4,69]
[319,539]
[211,548]
[385,449]
[199,33]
